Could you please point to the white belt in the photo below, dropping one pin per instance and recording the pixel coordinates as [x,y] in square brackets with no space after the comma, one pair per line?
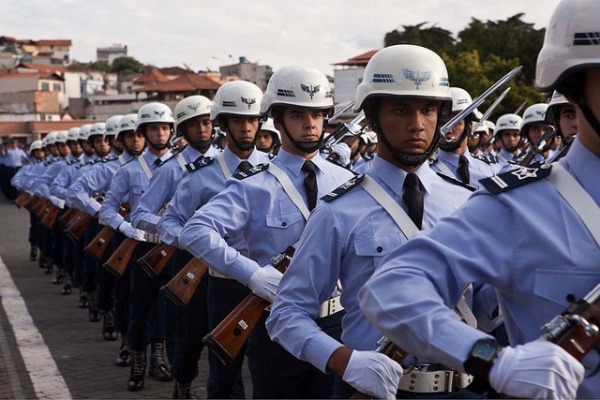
[444,381]
[330,307]
[102,222]
[151,237]
[217,274]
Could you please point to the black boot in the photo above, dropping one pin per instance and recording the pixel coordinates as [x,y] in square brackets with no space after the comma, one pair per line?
[68,287]
[158,367]
[184,391]
[83,299]
[137,371]
[33,253]
[94,312]
[108,326]
[59,276]
[124,357]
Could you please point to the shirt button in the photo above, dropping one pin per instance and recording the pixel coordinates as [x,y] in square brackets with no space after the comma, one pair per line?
[284,224]
[379,249]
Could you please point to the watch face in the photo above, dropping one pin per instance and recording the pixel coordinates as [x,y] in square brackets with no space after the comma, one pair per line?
[484,351]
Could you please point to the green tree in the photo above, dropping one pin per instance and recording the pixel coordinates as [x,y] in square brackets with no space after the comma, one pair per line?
[434,38]
[127,66]
[101,66]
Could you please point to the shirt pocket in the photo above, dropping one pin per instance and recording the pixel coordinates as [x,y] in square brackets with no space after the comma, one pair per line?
[559,288]
[284,220]
[377,246]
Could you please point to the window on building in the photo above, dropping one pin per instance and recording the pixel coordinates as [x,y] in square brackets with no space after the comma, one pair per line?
[45,87]
[56,87]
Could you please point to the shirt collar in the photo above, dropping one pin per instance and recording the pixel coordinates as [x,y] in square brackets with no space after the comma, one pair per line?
[449,156]
[393,177]
[294,163]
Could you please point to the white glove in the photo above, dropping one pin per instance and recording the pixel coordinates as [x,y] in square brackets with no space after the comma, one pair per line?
[373,373]
[537,369]
[131,232]
[264,282]
[57,202]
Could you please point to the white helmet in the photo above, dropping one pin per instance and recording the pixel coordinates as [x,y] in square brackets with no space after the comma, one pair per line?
[482,128]
[534,113]
[61,137]
[97,129]
[190,107]
[490,125]
[508,122]
[73,134]
[570,44]
[45,141]
[239,98]
[127,123]
[556,102]
[269,125]
[51,138]
[297,86]
[461,99]
[154,112]
[84,132]
[36,145]
[112,125]
[404,70]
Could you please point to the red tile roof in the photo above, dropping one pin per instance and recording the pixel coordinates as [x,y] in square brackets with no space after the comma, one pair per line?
[54,42]
[152,76]
[361,59]
[14,127]
[185,83]
[44,67]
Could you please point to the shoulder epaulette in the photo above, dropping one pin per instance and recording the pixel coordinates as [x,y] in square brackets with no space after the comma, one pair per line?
[271,156]
[72,161]
[257,169]
[173,156]
[483,158]
[515,178]
[455,181]
[199,163]
[433,161]
[105,160]
[344,188]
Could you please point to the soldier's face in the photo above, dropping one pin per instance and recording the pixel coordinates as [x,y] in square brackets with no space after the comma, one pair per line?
[588,136]
[101,145]
[243,129]
[63,149]
[158,132]
[510,138]
[75,146]
[198,129]
[408,123]
[264,140]
[303,125]
[536,131]
[134,141]
[568,120]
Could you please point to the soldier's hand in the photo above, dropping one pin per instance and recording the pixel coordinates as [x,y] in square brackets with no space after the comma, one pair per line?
[128,230]
[538,369]
[373,373]
[264,282]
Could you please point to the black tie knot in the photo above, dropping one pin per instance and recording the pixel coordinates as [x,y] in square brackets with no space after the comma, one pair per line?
[158,162]
[244,166]
[413,197]
[310,183]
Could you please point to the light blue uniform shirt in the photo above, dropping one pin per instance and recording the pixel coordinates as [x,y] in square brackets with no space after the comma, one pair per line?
[128,184]
[27,181]
[14,157]
[527,242]
[195,189]
[504,158]
[60,185]
[477,169]
[42,188]
[161,189]
[96,180]
[346,239]
[261,210]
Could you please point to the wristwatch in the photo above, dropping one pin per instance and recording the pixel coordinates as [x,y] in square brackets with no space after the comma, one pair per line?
[482,357]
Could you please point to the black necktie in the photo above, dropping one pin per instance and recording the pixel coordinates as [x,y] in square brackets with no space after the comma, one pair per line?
[244,166]
[463,169]
[413,197]
[158,162]
[310,184]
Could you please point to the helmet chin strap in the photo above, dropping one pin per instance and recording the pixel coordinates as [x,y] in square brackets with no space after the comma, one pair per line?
[158,147]
[305,147]
[512,148]
[588,114]
[242,146]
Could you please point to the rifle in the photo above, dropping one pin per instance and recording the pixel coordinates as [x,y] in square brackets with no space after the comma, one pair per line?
[539,147]
[32,203]
[155,261]
[228,338]
[50,215]
[491,108]
[40,206]
[65,219]
[99,244]
[118,261]
[78,226]
[387,347]
[22,199]
[183,285]
[523,104]
[576,329]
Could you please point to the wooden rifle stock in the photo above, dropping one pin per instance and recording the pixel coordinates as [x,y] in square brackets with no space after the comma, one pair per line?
[99,244]
[118,261]
[387,347]
[228,338]
[155,261]
[50,215]
[22,199]
[40,206]
[32,203]
[65,219]
[577,329]
[183,285]
[77,227]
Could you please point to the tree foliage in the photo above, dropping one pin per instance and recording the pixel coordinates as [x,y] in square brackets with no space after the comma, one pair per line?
[127,65]
[482,54]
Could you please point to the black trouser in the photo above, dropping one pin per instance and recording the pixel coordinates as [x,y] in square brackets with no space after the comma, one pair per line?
[123,288]
[89,262]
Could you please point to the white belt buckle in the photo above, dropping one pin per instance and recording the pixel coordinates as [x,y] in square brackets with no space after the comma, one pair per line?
[330,307]
[217,274]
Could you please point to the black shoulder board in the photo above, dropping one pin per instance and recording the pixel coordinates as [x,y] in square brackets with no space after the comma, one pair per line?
[483,158]
[271,156]
[344,188]
[456,181]
[515,178]
[199,163]
[257,169]
[72,162]
[110,159]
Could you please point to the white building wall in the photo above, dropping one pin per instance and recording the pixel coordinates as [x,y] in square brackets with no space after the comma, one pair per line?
[345,83]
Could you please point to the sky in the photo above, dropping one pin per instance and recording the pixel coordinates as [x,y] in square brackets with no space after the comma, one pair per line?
[205,34]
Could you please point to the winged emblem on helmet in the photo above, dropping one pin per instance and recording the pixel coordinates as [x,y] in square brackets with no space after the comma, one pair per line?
[418,77]
[159,113]
[311,90]
[194,106]
[249,102]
